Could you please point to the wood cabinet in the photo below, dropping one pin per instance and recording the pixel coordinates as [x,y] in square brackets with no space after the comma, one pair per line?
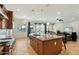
[46,47]
[36,45]
[53,46]
[9,24]
[3,12]
[0,24]
[8,16]
[0,18]
[1,5]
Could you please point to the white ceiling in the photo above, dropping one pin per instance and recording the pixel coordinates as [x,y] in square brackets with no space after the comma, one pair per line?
[45,12]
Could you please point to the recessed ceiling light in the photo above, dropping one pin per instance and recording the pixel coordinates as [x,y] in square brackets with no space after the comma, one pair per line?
[58,13]
[41,10]
[36,13]
[78,12]
[33,10]
[18,9]
[72,18]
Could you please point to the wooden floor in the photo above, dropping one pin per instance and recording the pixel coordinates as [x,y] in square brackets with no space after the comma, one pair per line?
[22,47]
[72,48]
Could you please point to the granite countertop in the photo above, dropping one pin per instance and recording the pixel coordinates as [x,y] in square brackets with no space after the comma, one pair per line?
[7,41]
[48,37]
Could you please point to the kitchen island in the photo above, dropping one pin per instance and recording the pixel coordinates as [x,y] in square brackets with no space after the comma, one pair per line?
[46,44]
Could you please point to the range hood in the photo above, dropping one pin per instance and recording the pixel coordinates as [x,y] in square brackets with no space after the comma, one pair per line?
[2,15]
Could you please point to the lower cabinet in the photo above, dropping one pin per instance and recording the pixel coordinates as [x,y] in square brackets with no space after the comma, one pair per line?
[6,50]
[53,47]
[36,45]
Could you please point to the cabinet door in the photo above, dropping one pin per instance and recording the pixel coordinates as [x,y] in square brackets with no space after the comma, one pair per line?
[53,46]
[58,44]
[33,43]
[9,21]
[49,47]
[39,47]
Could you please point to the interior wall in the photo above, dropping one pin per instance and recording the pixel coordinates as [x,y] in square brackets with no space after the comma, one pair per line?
[58,26]
[16,25]
[75,26]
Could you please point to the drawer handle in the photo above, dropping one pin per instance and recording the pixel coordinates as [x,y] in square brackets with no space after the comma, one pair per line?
[55,43]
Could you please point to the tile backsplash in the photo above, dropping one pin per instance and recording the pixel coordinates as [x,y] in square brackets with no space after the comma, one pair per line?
[5,32]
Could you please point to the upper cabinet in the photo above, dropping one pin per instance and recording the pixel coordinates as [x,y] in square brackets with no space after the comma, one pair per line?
[0,23]
[9,21]
[6,15]
[3,12]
